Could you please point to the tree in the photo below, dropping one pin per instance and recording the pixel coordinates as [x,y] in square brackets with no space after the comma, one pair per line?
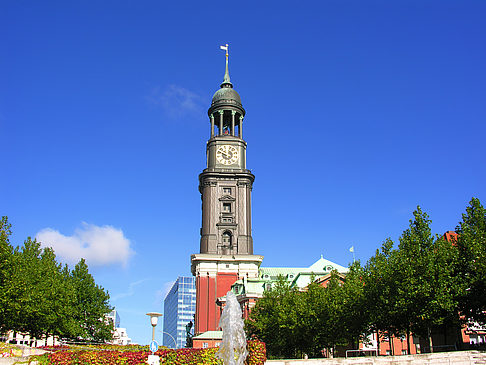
[332,314]
[91,305]
[275,320]
[42,305]
[354,316]
[57,303]
[67,327]
[31,303]
[426,285]
[8,289]
[471,264]
[313,318]
[380,291]
[41,297]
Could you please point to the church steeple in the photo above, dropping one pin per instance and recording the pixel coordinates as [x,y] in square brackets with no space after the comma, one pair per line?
[226,184]
[226,80]
[226,112]
[226,244]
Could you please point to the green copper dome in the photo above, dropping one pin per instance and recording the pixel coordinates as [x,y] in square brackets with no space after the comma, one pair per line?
[226,97]
[226,94]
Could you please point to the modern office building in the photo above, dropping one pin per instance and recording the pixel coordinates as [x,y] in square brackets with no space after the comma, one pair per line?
[179,309]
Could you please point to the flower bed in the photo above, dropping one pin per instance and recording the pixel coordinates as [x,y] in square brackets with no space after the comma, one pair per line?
[134,355]
[257,353]
[7,350]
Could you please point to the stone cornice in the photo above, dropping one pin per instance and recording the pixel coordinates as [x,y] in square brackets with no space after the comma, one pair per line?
[218,259]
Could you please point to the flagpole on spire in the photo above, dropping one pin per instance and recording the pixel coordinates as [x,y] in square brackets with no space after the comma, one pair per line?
[226,73]
[351,249]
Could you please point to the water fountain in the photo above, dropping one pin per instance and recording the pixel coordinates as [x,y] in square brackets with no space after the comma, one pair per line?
[233,346]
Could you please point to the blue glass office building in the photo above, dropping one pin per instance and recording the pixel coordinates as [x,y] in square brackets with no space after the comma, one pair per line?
[179,309]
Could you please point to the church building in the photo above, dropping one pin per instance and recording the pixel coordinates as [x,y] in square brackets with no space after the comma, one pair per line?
[226,246]
[226,260]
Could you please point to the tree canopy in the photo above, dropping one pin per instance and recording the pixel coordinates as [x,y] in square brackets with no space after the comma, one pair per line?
[471,266]
[422,284]
[41,297]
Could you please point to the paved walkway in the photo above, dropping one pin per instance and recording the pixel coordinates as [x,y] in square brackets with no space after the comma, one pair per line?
[441,358]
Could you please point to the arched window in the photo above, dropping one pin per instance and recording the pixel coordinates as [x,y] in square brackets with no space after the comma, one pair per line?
[227,239]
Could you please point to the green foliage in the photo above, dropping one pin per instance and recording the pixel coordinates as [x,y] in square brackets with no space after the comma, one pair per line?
[91,305]
[471,261]
[41,297]
[419,287]
[354,317]
[293,323]
[45,302]
[426,290]
[257,353]
[134,355]
[8,350]
[7,287]
[276,320]
[379,277]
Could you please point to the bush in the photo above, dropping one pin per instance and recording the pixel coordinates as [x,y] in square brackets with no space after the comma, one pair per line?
[134,355]
[257,353]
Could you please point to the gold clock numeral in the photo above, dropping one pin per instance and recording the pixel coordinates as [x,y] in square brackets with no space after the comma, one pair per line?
[227,155]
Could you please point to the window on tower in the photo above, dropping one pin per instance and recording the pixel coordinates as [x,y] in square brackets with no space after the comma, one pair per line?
[226,239]
[227,191]
[227,207]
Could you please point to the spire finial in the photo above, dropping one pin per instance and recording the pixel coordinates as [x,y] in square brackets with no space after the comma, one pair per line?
[226,80]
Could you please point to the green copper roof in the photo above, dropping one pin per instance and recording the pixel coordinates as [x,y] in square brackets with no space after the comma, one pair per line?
[320,266]
[210,335]
[226,97]
[226,80]
[276,271]
[323,265]
[226,94]
[297,276]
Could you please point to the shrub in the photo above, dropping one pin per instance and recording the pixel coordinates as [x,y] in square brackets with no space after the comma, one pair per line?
[135,355]
[257,353]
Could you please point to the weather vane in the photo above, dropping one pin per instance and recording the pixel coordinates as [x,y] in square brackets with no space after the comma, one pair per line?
[226,80]
[225,48]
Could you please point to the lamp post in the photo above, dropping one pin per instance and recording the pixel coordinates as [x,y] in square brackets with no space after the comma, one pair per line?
[153,359]
[154,317]
[168,334]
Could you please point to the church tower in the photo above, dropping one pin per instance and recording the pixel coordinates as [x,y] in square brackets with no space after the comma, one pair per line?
[226,245]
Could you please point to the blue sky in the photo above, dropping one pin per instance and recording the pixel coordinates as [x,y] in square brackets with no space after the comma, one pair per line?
[357,112]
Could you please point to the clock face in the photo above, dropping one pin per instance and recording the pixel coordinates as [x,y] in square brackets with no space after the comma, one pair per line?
[227,155]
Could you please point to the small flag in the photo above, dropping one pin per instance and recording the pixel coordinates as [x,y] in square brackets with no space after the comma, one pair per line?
[224,48]
[351,249]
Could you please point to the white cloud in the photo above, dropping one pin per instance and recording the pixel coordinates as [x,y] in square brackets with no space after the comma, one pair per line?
[130,291]
[160,294]
[177,101]
[99,246]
